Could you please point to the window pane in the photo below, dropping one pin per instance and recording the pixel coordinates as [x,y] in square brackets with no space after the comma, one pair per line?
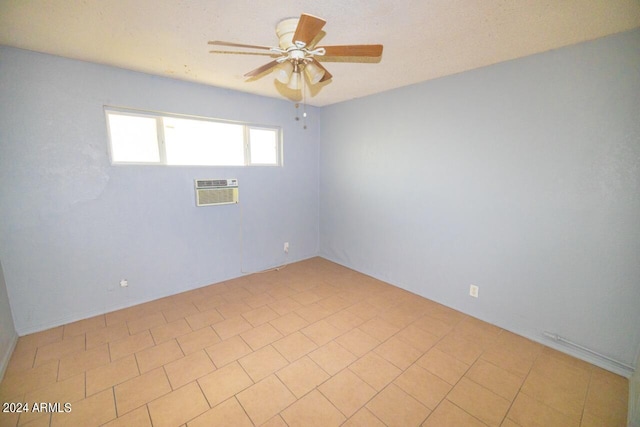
[201,142]
[263,144]
[133,138]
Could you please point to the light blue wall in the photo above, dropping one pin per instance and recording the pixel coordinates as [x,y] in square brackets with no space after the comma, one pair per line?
[522,178]
[73,225]
[8,336]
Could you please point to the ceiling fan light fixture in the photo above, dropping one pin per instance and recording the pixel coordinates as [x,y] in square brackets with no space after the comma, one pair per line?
[295,82]
[284,72]
[313,72]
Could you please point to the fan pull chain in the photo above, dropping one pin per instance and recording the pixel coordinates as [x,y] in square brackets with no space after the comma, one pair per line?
[304,105]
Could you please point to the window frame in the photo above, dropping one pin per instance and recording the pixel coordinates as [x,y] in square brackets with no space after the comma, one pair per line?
[158,116]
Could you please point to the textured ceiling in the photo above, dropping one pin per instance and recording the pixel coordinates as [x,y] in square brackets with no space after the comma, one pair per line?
[423,39]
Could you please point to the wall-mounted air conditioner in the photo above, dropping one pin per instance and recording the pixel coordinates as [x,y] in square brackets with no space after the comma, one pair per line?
[210,192]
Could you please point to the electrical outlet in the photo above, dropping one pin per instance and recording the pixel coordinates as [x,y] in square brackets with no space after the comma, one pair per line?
[124,283]
[286,247]
[473,291]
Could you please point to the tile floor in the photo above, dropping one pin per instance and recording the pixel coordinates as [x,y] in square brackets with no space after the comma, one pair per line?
[314,344]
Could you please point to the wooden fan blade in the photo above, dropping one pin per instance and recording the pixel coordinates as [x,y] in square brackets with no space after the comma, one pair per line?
[372,50]
[308,28]
[327,74]
[262,69]
[248,46]
[237,52]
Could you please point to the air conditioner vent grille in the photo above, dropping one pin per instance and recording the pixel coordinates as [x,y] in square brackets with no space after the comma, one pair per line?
[211,192]
[211,183]
[214,183]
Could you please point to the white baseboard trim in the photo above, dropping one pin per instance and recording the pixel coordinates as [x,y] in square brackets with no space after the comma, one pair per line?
[4,362]
[605,363]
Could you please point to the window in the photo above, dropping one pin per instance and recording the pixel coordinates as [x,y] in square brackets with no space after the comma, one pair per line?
[133,139]
[169,139]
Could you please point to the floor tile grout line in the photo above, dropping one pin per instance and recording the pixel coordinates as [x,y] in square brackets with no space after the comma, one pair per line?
[452,385]
[115,403]
[522,385]
[466,412]
[235,397]
[377,392]
[586,396]
[149,414]
[209,358]
[545,376]
[365,381]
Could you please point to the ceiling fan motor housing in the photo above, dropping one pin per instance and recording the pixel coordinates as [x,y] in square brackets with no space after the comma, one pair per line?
[285,31]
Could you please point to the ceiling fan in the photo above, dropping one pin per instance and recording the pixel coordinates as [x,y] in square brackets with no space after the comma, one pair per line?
[297,52]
